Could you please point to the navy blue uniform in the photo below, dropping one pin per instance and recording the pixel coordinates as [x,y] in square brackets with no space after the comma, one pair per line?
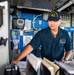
[52,48]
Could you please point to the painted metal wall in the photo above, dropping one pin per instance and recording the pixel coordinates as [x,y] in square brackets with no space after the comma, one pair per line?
[4,32]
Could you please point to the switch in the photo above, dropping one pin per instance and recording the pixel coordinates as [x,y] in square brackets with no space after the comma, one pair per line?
[40,22]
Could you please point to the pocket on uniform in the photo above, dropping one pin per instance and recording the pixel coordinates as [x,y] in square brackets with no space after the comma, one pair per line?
[62,42]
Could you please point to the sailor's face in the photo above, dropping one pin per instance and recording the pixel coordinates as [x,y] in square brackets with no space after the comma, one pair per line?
[54,24]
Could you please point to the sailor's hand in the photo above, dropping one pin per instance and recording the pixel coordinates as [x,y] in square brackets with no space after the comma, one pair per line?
[64,61]
[15,61]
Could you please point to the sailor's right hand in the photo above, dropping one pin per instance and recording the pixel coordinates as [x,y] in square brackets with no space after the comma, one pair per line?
[14,61]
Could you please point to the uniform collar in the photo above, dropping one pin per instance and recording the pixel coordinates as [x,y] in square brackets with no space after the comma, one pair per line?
[59,33]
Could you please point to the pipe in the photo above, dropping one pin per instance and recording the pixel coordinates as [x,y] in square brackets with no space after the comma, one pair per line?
[66,5]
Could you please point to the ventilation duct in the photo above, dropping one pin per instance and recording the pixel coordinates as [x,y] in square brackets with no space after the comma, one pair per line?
[66,5]
[44,5]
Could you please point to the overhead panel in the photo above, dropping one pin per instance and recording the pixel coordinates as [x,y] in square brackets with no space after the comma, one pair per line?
[59,4]
[42,4]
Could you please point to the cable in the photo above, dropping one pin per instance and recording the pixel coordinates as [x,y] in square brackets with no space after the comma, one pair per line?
[35,19]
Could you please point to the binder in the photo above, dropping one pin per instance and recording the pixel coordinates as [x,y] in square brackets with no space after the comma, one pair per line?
[47,68]
[68,67]
[56,67]
[34,61]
